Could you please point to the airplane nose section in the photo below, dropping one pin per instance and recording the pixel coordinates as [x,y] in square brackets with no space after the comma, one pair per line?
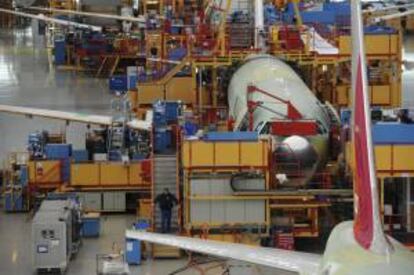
[297,158]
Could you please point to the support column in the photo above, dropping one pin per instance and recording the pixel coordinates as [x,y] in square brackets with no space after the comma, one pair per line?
[215,86]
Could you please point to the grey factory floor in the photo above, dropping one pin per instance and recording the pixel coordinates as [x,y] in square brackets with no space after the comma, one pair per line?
[27,79]
[15,247]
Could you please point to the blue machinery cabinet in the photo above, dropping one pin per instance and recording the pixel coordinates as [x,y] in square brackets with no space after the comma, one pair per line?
[91,225]
[60,51]
[133,251]
[13,202]
[118,83]
[61,152]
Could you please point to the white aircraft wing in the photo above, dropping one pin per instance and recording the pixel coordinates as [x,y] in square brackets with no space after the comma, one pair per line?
[52,20]
[90,14]
[72,116]
[302,263]
[60,115]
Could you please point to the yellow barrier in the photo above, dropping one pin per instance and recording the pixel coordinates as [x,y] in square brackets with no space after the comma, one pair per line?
[147,94]
[114,174]
[374,44]
[380,95]
[109,174]
[390,160]
[197,154]
[135,175]
[45,172]
[84,174]
[180,88]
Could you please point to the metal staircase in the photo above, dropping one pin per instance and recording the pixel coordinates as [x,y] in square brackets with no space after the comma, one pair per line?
[332,113]
[171,73]
[108,66]
[165,171]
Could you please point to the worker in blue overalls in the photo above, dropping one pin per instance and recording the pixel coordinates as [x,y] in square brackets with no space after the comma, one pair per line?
[166,202]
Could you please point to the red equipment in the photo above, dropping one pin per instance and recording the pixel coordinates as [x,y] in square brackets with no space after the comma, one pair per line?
[292,112]
[288,128]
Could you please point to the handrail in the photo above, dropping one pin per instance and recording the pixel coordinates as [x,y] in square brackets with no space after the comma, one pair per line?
[296,163]
[169,74]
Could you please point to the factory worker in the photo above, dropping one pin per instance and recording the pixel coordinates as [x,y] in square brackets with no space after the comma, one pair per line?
[166,202]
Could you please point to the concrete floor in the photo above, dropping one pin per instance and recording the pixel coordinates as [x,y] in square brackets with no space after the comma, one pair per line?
[27,79]
[15,248]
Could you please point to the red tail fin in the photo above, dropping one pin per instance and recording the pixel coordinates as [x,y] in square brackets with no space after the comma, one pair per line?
[367,225]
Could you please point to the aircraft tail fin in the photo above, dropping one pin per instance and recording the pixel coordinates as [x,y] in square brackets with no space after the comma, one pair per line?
[368,229]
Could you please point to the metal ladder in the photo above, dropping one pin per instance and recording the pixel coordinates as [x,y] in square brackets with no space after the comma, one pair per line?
[116,139]
[121,113]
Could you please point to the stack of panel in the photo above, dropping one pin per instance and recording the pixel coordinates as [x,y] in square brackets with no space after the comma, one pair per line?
[225,211]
